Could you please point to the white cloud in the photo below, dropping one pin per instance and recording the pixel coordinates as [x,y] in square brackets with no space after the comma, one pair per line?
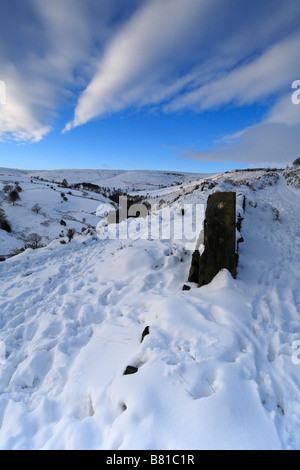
[49,56]
[262,144]
[18,120]
[273,71]
[191,55]
[276,140]
[136,60]
[285,111]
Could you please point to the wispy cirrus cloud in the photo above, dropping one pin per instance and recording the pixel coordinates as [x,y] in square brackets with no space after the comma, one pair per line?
[263,76]
[135,67]
[192,56]
[262,144]
[275,140]
[45,61]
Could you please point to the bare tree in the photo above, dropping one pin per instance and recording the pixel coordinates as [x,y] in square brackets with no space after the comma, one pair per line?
[34,241]
[13,196]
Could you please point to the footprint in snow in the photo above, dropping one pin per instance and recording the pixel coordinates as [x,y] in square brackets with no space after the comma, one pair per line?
[206,387]
[103,298]
[83,408]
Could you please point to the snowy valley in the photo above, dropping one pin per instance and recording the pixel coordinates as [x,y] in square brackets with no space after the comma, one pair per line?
[219,367]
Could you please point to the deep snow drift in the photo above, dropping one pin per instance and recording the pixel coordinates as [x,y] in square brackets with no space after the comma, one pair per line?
[219,368]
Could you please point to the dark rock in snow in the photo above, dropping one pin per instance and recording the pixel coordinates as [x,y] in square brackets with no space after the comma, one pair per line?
[185,287]
[130,370]
[194,270]
[145,333]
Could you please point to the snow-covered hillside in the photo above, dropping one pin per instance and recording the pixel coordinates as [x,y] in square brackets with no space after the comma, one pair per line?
[126,180]
[79,208]
[220,367]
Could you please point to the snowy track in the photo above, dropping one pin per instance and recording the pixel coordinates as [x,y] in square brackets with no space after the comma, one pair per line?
[276,311]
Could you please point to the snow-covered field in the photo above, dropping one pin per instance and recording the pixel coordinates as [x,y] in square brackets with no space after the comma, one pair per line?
[220,367]
[79,210]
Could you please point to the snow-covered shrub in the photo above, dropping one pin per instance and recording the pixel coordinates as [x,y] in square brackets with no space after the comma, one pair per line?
[18,251]
[276,212]
[36,208]
[292,175]
[4,225]
[7,188]
[70,234]
[33,241]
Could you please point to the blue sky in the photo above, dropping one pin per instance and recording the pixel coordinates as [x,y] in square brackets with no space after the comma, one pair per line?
[183,85]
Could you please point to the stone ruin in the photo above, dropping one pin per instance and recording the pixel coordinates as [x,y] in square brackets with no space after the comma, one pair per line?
[219,240]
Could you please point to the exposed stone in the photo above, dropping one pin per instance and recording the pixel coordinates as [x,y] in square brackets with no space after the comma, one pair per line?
[145,333]
[185,287]
[240,240]
[239,222]
[194,270]
[219,239]
[130,370]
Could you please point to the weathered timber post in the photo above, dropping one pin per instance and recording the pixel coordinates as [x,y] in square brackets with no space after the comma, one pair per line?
[219,240]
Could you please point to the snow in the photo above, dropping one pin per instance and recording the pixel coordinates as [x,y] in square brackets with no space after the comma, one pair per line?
[80,210]
[216,370]
[121,179]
